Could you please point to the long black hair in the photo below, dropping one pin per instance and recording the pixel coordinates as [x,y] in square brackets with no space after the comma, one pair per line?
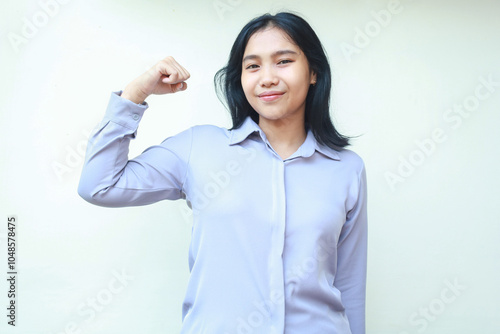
[317,112]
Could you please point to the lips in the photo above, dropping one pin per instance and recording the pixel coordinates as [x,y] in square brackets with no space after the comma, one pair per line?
[270,95]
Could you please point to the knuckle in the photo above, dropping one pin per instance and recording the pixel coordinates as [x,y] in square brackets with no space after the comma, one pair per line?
[160,66]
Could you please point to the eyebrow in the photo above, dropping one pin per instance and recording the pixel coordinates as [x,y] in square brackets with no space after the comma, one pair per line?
[274,54]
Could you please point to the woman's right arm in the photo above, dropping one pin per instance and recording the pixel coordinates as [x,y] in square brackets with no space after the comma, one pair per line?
[108,177]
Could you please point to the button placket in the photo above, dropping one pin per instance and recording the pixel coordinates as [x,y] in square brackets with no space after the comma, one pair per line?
[278,216]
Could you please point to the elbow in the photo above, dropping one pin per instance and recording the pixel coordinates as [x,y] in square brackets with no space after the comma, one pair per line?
[95,191]
[105,197]
[86,193]
[91,196]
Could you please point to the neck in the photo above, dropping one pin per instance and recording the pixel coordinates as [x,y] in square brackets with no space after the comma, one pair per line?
[284,135]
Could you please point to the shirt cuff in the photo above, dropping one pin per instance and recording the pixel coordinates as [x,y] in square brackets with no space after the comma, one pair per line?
[125,112]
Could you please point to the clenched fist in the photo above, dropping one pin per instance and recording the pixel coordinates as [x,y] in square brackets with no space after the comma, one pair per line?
[166,77]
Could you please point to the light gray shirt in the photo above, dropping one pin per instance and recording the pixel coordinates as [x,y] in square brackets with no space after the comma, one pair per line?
[278,246]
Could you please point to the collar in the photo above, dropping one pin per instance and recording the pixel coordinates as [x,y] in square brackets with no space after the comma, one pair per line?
[306,150]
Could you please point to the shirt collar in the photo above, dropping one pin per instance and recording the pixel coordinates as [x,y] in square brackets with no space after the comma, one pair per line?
[246,129]
[306,150]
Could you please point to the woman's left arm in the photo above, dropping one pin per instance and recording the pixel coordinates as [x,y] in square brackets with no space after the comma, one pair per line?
[350,278]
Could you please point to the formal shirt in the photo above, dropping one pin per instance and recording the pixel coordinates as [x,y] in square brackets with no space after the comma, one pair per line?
[277,246]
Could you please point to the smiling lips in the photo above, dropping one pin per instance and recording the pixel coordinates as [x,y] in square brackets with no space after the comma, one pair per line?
[270,96]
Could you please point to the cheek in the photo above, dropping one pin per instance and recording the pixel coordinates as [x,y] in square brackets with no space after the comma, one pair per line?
[300,87]
[247,86]
[298,80]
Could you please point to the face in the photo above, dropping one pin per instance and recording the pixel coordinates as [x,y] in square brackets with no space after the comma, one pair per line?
[275,76]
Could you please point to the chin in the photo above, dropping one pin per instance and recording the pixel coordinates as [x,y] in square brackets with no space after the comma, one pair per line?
[270,117]
[271,114]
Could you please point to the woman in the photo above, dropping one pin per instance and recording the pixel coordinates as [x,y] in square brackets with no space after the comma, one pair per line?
[279,229]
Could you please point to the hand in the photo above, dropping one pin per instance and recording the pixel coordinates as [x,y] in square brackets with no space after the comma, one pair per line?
[166,77]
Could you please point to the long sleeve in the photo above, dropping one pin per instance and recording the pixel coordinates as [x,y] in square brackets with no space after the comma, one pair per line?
[109,179]
[352,258]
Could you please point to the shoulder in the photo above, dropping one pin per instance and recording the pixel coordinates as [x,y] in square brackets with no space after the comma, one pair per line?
[352,163]
[343,156]
[351,158]
[205,130]
[209,136]
[196,140]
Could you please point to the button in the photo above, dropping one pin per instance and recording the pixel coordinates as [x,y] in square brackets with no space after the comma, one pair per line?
[135,117]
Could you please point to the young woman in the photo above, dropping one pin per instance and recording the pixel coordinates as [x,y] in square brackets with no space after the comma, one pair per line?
[279,236]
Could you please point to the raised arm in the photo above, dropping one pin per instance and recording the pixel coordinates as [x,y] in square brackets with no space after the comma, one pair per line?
[108,177]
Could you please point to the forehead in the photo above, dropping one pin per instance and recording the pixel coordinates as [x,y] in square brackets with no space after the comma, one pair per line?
[268,40]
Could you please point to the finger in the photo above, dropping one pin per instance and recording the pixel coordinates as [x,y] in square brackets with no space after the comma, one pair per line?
[166,69]
[179,74]
[172,71]
[180,86]
[172,79]
[182,73]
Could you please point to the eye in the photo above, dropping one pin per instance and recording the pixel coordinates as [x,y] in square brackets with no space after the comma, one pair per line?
[285,61]
[251,67]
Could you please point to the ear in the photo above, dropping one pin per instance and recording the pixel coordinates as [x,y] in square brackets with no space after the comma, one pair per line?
[313,78]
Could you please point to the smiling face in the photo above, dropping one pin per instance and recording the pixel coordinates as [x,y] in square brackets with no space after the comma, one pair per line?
[275,76]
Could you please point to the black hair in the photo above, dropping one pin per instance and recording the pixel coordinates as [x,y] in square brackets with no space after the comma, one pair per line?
[317,112]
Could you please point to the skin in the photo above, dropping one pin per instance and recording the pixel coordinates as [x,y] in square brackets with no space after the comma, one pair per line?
[166,77]
[273,63]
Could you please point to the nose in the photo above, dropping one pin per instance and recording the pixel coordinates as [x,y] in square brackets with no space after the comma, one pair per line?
[268,77]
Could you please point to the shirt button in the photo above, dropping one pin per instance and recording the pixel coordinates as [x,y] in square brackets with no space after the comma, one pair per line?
[135,117]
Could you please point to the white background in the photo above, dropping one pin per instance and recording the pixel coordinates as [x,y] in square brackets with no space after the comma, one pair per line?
[435,226]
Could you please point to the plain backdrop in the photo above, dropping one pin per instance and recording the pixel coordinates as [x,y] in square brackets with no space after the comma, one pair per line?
[418,83]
